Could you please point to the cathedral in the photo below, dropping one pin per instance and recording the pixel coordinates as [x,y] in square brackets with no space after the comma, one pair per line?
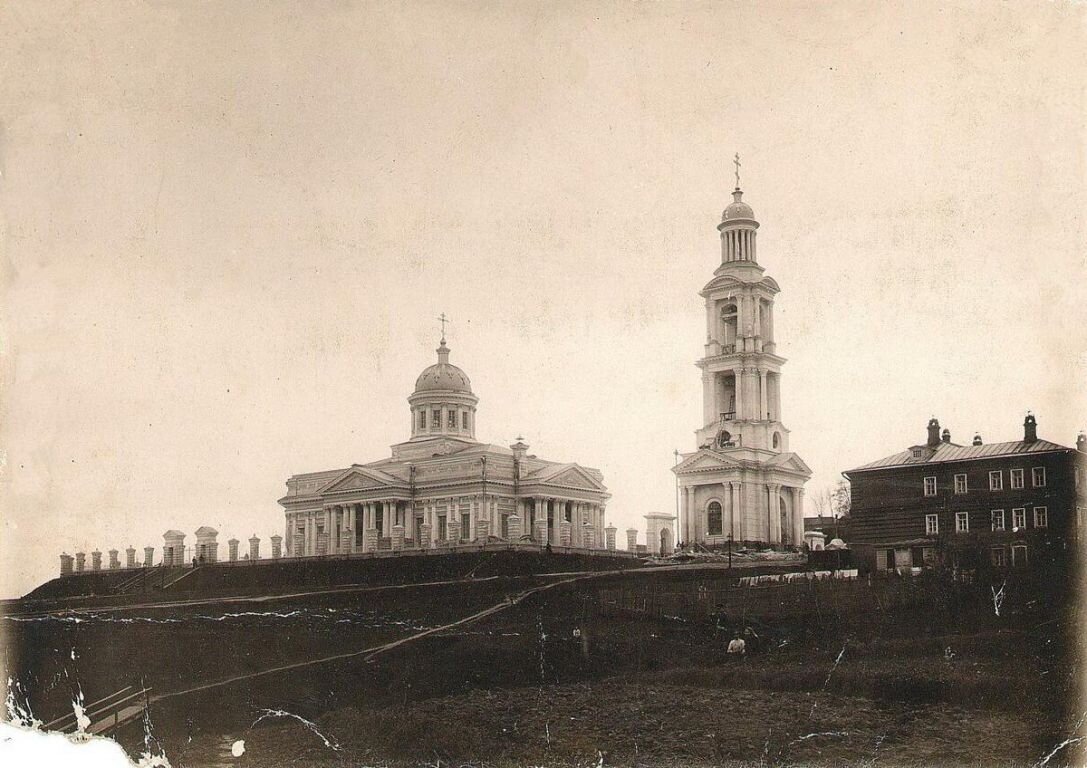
[742,484]
[442,487]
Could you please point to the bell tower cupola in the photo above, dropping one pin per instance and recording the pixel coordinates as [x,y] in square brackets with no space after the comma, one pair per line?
[738,227]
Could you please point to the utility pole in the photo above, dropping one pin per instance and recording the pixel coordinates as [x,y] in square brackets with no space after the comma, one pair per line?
[679,522]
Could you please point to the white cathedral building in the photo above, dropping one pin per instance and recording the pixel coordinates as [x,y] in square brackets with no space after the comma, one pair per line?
[742,483]
[442,487]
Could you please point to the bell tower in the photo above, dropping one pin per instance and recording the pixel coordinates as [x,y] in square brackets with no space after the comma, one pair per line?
[742,484]
[741,371]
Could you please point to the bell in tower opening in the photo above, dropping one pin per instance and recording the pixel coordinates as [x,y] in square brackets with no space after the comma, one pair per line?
[742,484]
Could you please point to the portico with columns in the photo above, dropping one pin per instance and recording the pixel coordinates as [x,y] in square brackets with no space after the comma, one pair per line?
[742,483]
[442,487]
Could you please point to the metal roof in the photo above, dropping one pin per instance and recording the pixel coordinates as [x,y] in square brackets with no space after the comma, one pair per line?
[946,452]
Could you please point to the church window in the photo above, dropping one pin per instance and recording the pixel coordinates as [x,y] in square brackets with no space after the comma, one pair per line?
[464,420]
[452,420]
[436,418]
[713,519]
[777,440]
[422,419]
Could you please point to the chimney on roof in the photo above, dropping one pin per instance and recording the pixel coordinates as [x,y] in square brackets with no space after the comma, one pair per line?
[1081,442]
[1030,428]
[933,432]
[946,435]
[977,438]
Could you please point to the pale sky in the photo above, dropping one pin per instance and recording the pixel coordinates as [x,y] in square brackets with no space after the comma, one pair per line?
[228,229]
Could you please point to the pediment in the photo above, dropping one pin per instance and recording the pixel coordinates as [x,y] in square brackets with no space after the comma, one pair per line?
[572,476]
[354,479]
[791,462]
[706,460]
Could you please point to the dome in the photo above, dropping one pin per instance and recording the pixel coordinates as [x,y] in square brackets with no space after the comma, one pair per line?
[737,210]
[443,376]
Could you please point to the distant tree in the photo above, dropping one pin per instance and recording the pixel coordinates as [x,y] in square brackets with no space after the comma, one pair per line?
[840,499]
[822,502]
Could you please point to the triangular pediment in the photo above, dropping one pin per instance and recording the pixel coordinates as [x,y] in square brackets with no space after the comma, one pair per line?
[705,459]
[790,462]
[354,479]
[571,476]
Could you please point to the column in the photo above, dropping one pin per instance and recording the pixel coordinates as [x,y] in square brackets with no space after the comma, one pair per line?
[114,560]
[232,550]
[352,525]
[798,517]
[130,557]
[333,533]
[632,539]
[763,399]
[287,531]
[739,530]
[738,380]
[609,538]
[684,532]
[397,538]
[773,512]
[148,557]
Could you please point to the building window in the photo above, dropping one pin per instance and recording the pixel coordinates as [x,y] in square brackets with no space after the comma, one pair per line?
[436,418]
[1019,554]
[930,486]
[464,420]
[1017,478]
[1037,476]
[1041,517]
[996,481]
[932,524]
[960,483]
[452,420]
[998,556]
[998,519]
[713,519]
[1019,518]
[918,453]
[422,419]
[962,522]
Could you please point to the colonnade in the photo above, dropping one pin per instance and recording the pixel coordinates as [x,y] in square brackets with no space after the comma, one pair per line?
[349,527]
[749,512]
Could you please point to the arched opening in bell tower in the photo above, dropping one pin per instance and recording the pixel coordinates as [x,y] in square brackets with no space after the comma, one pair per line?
[729,318]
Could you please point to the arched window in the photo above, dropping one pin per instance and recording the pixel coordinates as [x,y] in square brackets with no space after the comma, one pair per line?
[713,519]
[777,440]
[728,326]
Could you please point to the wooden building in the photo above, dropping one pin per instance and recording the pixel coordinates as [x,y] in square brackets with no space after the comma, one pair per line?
[984,505]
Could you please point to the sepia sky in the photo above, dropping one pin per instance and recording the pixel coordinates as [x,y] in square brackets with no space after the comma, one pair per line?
[227,230]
